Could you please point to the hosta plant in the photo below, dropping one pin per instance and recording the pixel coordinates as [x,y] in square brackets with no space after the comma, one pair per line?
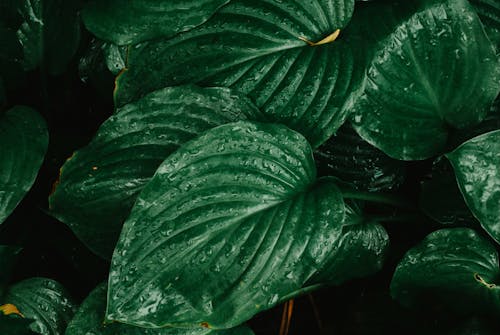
[187,167]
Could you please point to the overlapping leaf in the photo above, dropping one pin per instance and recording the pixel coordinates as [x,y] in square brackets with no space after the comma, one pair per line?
[140,20]
[49,34]
[477,168]
[258,48]
[489,12]
[456,268]
[436,70]
[99,183]
[45,301]
[231,224]
[23,143]
[89,319]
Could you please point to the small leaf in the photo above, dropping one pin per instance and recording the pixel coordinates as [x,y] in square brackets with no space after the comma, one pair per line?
[89,319]
[239,210]
[50,33]
[141,20]
[23,143]
[455,267]
[436,70]
[45,301]
[353,160]
[477,168]
[258,48]
[99,184]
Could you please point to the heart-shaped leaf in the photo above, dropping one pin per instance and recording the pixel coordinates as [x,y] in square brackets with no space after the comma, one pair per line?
[50,33]
[477,168]
[89,319]
[353,160]
[436,70]
[23,143]
[231,224]
[45,301]
[454,267]
[99,183]
[489,12]
[140,20]
[259,48]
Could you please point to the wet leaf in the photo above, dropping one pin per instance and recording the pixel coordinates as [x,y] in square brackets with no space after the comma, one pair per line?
[455,267]
[141,20]
[353,160]
[89,319]
[50,33]
[45,301]
[239,210]
[489,12]
[259,48]
[477,168]
[23,143]
[436,70]
[99,184]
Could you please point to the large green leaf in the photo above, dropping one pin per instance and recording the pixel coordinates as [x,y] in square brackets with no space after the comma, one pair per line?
[231,224]
[23,143]
[477,168]
[45,301]
[257,48]
[50,33]
[454,267]
[8,256]
[436,70]
[489,12]
[140,20]
[99,183]
[89,319]
[353,160]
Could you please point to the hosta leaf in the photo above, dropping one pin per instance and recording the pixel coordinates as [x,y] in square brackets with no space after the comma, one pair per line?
[8,256]
[256,47]
[353,160]
[45,301]
[89,319]
[140,20]
[454,267]
[23,143]
[436,70]
[231,224]
[477,168]
[489,12]
[50,33]
[99,183]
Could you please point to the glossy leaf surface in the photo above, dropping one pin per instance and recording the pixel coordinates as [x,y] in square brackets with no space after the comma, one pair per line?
[23,143]
[140,20]
[477,168]
[489,12]
[237,209]
[49,34]
[436,70]
[258,48]
[45,301]
[99,183]
[455,267]
[89,319]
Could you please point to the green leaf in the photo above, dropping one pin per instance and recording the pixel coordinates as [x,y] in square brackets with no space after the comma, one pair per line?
[8,256]
[23,143]
[45,301]
[436,70]
[477,168]
[50,33]
[353,160]
[89,319]
[257,48]
[99,183]
[141,20]
[489,12]
[234,223]
[454,267]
